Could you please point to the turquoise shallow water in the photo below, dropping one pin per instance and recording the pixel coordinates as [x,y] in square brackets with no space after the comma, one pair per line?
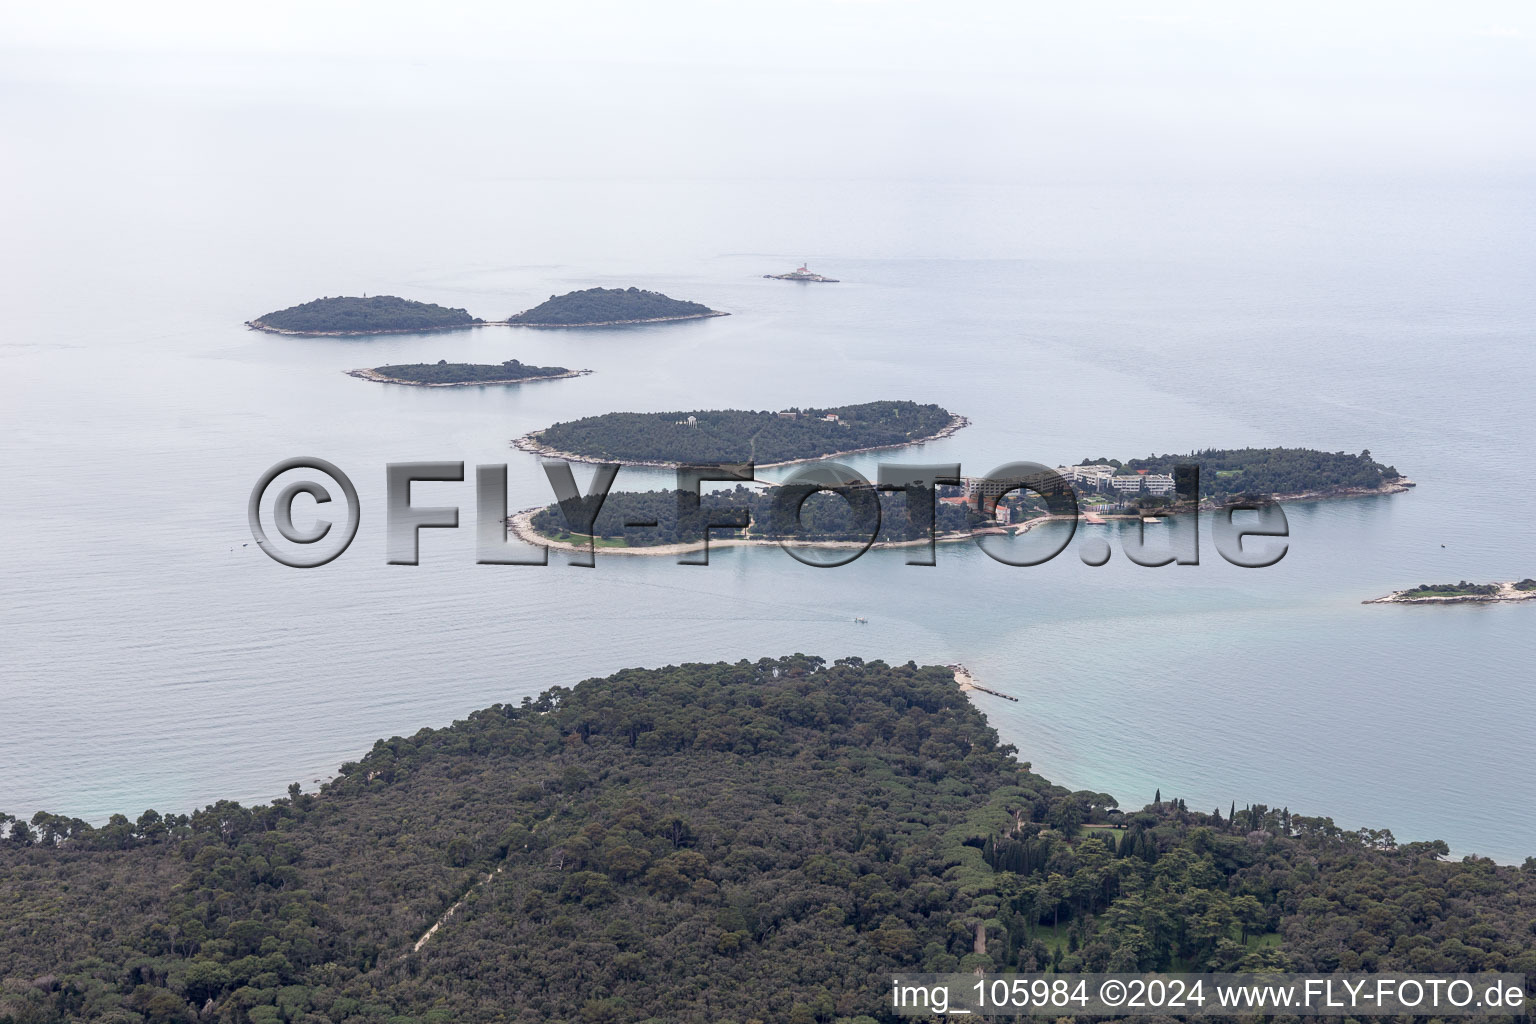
[152,658]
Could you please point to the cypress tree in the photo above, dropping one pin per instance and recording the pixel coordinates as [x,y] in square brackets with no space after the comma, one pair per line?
[1127,843]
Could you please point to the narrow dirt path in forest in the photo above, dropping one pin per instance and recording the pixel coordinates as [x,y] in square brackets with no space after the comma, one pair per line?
[427,935]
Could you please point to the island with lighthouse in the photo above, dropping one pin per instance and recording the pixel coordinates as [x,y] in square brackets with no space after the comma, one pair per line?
[801,273]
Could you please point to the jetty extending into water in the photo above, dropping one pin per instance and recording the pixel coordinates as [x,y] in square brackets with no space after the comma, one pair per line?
[968,682]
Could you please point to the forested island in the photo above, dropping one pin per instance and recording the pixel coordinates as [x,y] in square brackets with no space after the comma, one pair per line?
[607,307]
[725,435]
[1229,475]
[390,314]
[443,374]
[824,518]
[369,314]
[1456,593]
[753,842]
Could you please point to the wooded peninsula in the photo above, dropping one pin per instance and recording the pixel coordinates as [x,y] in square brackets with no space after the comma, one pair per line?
[727,435]
[443,374]
[792,831]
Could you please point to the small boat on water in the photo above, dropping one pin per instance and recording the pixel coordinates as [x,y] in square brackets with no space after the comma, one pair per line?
[861,620]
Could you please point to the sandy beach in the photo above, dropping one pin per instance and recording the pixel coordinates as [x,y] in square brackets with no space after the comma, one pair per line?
[963,677]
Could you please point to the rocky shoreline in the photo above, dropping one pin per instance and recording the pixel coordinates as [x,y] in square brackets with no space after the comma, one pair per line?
[257,325]
[529,443]
[1506,592]
[621,323]
[1398,486]
[369,374]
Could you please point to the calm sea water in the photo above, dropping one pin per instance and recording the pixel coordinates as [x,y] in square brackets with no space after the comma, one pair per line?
[152,657]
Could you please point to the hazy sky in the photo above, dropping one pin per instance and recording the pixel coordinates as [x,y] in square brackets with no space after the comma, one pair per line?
[1414,39]
[841,87]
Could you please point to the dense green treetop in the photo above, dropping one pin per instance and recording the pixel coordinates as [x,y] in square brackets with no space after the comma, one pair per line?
[753,842]
[607,305]
[1456,589]
[444,372]
[727,435]
[346,313]
[1462,589]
